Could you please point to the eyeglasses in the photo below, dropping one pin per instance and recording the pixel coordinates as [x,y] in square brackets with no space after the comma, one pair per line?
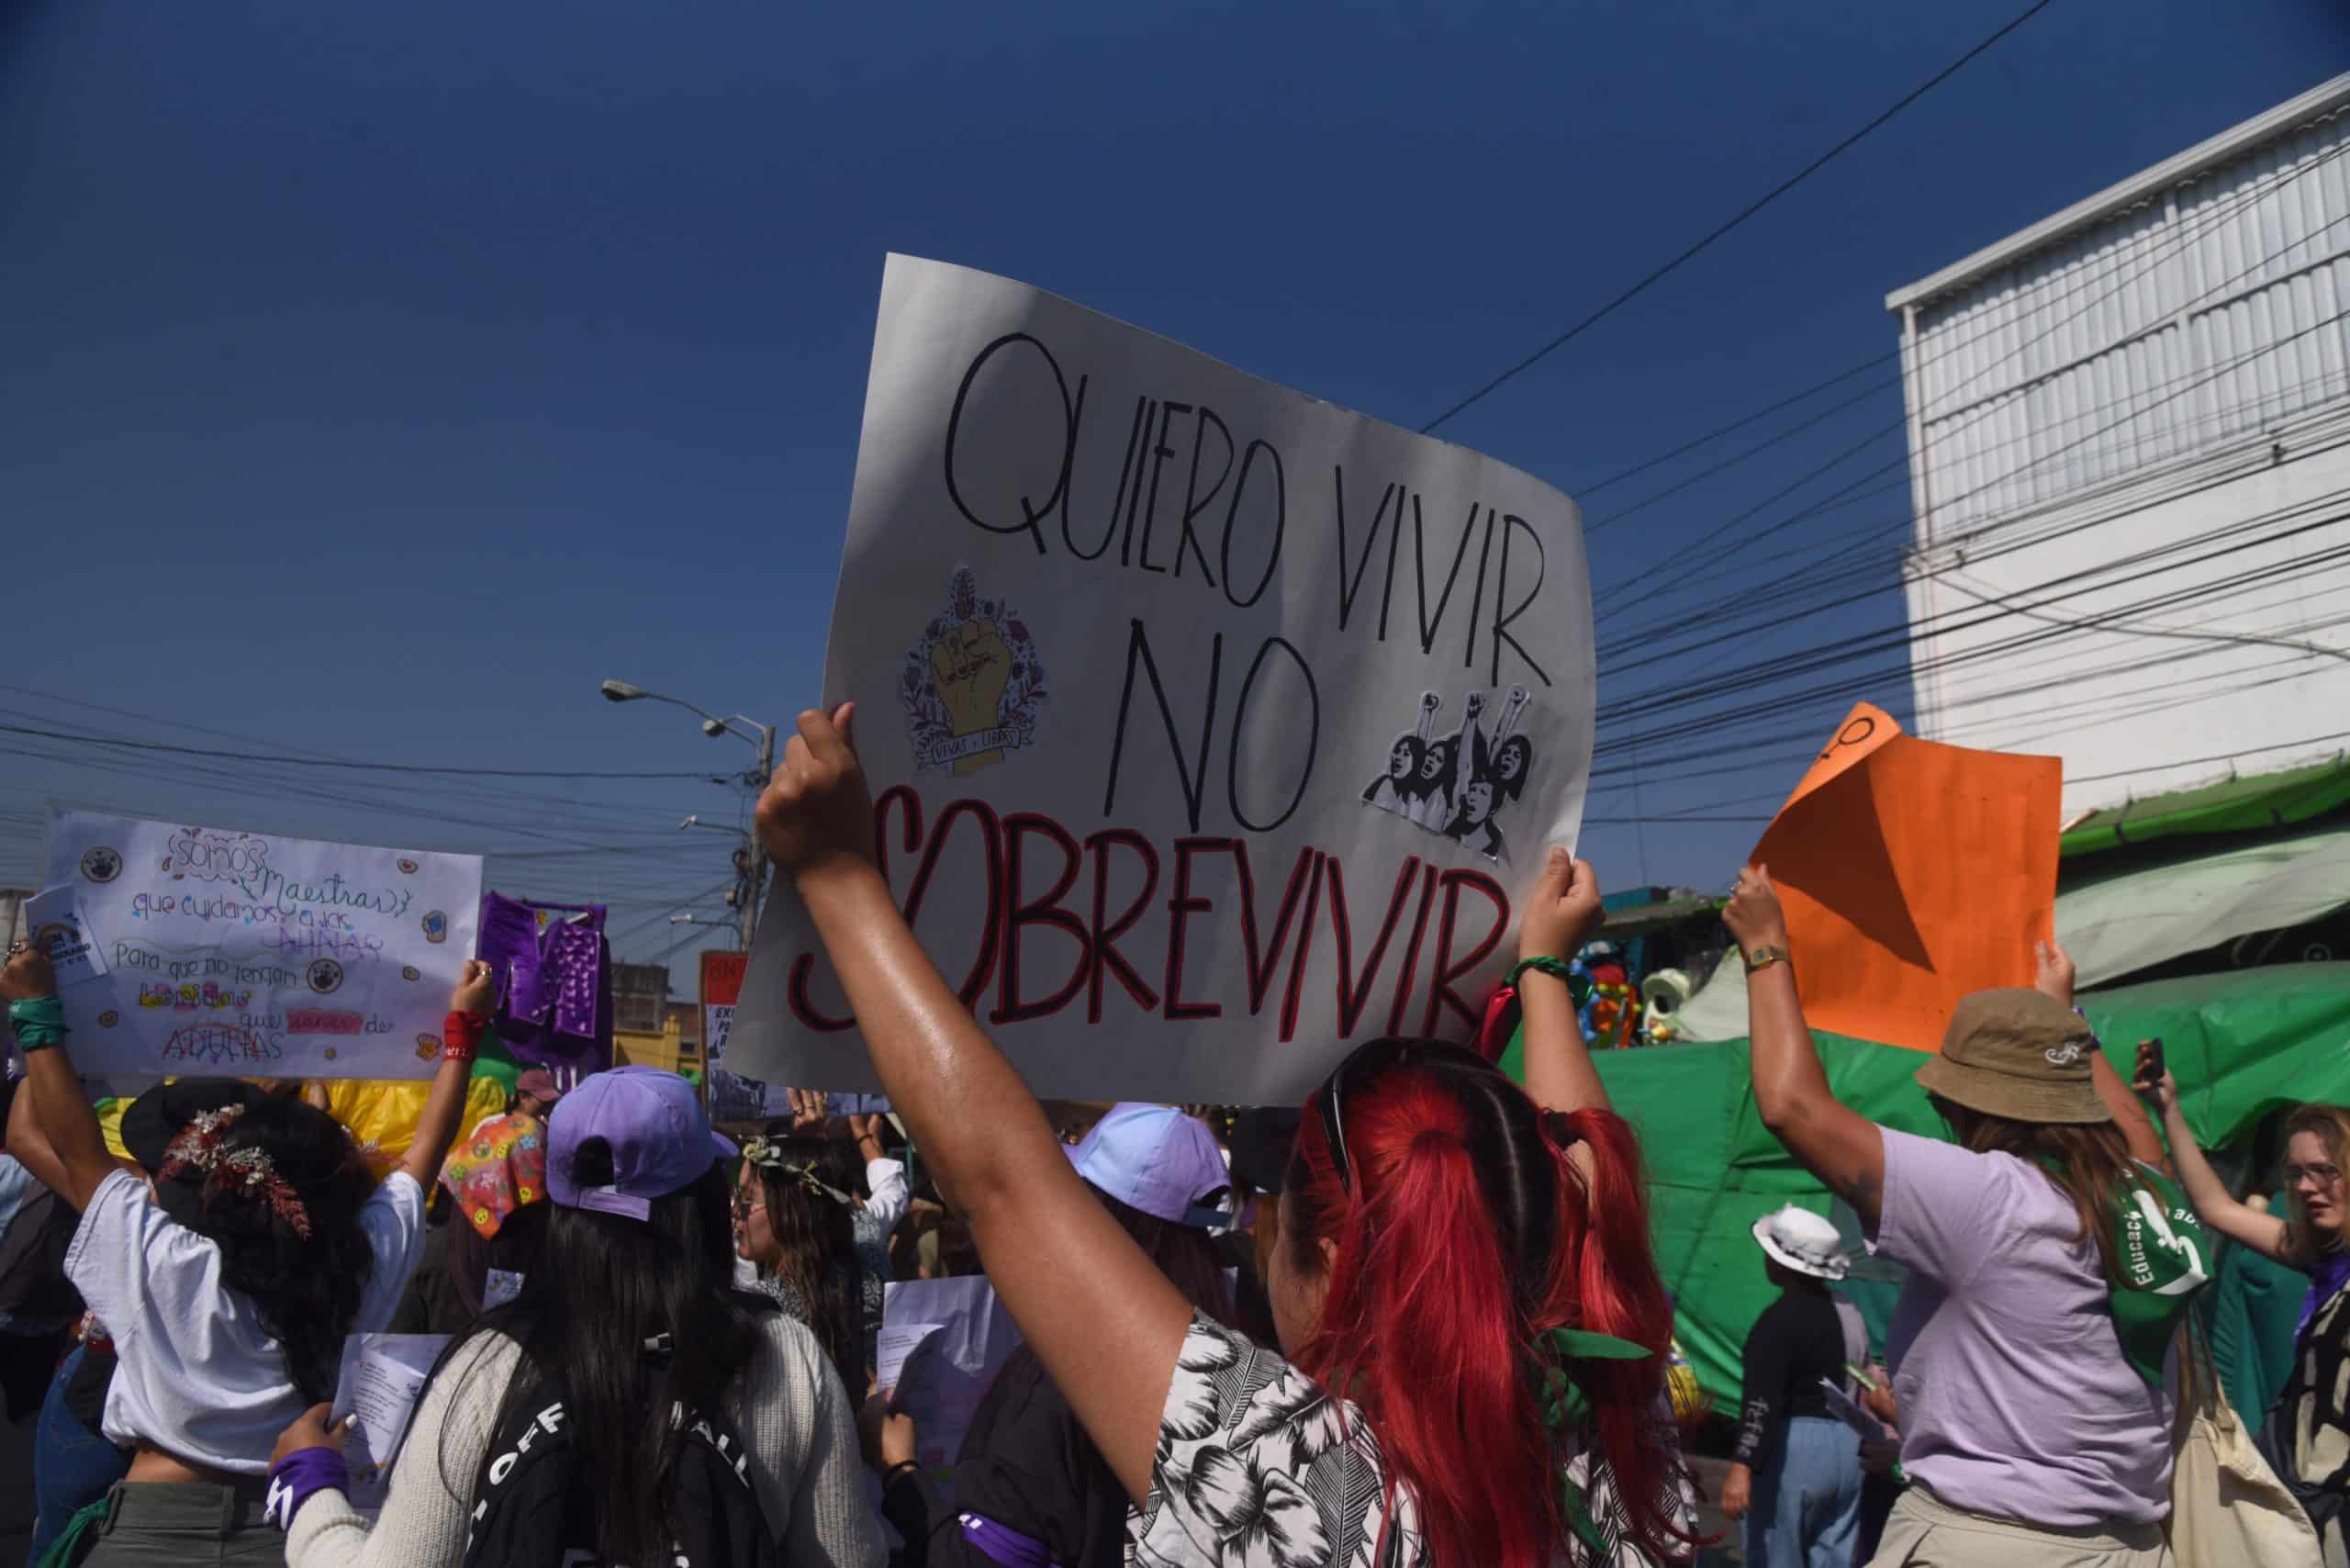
[744,1202]
[1368,1060]
[2322,1175]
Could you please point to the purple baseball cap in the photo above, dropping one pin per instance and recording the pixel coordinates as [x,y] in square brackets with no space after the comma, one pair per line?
[661,1140]
[1156,1159]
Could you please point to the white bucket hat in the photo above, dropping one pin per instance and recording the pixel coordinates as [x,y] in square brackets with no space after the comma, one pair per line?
[1803,1242]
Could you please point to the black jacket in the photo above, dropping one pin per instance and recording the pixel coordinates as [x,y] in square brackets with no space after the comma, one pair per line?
[1029,1466]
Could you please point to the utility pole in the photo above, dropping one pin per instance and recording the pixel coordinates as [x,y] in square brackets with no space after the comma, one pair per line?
[750,864]
[758,874]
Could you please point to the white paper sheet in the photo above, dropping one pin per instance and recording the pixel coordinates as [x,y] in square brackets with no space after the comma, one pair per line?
[898,1343]
[56,924]
[1842,1405]
[382,1377]
[965,1335]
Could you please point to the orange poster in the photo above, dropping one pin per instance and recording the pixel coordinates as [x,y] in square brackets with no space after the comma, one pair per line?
[1912,873]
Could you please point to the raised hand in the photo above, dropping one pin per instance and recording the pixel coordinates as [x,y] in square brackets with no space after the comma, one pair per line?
[27,975]
[1563,912]
[817,812]
[1754,917]
[476,990]
[2053,971]
[2152,1080]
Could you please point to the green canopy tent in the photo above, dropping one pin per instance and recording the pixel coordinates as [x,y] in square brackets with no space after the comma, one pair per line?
[2242,1045]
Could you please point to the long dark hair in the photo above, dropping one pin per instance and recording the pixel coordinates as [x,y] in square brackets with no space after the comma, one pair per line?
[818,1238]
[602,1286]
[2088,1162]
[306,1292]
[1184,1253]
[1468,1233]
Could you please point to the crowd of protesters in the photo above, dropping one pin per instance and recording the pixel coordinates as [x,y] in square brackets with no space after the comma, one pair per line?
[1415,1320]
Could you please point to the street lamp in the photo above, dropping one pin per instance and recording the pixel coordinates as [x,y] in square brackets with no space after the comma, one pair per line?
[762,739]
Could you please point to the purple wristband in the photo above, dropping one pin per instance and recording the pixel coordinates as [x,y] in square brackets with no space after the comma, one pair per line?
[295,1479]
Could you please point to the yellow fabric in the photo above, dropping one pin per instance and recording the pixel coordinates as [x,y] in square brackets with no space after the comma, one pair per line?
[109,1113]
[382,1113]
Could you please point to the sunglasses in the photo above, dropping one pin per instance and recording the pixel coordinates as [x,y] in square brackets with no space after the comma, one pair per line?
[1366,1062]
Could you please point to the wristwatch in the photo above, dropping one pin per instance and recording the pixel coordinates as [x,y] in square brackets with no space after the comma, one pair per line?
[1763,958]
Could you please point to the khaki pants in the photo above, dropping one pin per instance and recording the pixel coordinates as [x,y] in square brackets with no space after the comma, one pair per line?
[1927,1533]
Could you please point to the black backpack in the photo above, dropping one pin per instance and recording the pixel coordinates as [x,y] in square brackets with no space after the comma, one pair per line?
[533,1509]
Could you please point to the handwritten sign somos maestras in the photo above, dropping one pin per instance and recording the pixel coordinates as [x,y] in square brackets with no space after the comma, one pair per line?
[256,954]
[1212,726]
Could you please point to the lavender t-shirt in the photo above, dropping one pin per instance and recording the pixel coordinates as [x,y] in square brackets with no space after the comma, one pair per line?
[2014,1398]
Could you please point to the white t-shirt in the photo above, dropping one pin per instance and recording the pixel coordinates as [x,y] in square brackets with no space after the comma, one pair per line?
[198,1378]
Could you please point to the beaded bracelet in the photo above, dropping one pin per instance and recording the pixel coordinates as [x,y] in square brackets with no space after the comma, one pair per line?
[1578,986]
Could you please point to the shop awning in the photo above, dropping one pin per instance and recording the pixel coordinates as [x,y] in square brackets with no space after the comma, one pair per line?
[2232,805]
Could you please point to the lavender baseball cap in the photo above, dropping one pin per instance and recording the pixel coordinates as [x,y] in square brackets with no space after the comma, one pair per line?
[1156,1159]
[661,1140]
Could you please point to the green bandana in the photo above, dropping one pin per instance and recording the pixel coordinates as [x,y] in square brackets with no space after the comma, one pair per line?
[2164,1259]
[1564,1408]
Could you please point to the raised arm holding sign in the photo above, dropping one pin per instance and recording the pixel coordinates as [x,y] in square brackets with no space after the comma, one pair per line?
[1454,1159]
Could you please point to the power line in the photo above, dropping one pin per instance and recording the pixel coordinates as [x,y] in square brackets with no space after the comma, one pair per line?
[1937,79]
[1958,340]
[2206,376]
[2207,761]
[1741,677]
[1750,711]
[1789,402]
[2147,259]
[535,801]
[329,762]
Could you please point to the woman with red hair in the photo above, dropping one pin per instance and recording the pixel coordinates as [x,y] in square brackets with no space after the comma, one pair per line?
[1472,1331]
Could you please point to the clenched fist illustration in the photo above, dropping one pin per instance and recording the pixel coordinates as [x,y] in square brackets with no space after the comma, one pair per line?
[970,666]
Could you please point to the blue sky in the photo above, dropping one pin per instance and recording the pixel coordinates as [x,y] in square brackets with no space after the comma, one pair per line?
[380,380]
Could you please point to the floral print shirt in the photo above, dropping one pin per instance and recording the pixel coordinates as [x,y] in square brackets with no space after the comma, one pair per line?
[1257,1467]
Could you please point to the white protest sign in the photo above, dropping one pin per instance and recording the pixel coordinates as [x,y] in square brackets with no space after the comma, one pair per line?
[257,955]
[1212,727]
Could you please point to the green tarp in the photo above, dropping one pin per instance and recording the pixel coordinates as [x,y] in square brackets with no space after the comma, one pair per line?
[2234,805]
[2242,1045]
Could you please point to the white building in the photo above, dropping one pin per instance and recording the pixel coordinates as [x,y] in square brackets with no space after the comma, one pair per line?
[2129,460]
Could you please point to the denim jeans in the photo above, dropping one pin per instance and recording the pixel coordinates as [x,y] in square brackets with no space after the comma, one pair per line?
[1807,1505]
[72,1466]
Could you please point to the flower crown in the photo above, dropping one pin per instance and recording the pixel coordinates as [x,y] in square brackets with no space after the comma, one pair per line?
[248,1173]
[767,1154]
